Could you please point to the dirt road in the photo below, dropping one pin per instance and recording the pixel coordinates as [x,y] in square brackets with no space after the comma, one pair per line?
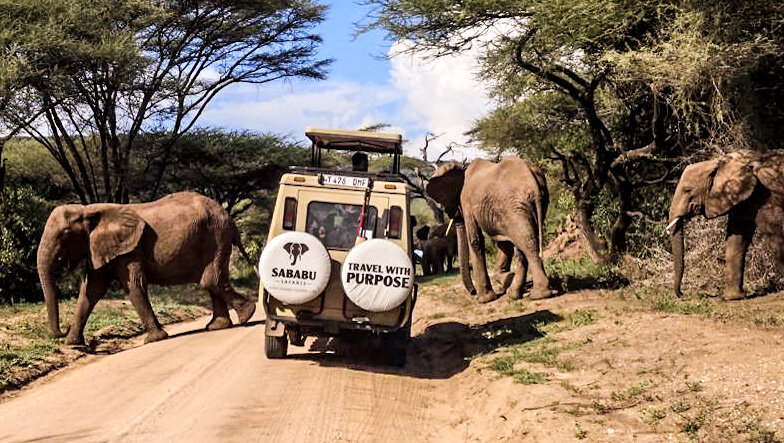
[218,386]
[588,365]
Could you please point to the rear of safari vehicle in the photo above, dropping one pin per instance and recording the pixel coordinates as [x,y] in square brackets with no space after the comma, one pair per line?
[338,256]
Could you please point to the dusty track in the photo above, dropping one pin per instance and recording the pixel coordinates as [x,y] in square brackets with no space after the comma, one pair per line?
[218,386]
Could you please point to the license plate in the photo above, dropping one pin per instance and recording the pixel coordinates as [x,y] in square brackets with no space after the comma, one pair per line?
[342,180]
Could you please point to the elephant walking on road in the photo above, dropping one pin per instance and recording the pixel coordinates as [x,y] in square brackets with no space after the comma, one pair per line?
[507,201]
[748,186]
[181,238]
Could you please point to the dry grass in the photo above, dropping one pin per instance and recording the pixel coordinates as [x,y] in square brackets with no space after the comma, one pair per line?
[704,261]
[28,350]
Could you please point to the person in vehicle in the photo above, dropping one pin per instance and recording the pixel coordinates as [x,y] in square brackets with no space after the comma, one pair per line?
[359,162]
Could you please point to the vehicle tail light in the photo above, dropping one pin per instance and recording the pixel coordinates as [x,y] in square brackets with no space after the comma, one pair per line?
[395,222]
[289,213]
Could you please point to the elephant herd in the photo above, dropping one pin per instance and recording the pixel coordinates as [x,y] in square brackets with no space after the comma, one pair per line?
[508,200]
[188,238]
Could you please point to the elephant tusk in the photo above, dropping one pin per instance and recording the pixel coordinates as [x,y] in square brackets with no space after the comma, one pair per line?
[449,227]
[672,223]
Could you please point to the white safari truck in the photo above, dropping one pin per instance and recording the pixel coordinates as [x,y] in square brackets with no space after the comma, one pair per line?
[338,259]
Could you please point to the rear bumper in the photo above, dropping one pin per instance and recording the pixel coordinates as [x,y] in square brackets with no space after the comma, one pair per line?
[276,324]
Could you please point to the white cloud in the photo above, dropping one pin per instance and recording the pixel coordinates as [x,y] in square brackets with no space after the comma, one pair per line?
[442,96]
[288,109]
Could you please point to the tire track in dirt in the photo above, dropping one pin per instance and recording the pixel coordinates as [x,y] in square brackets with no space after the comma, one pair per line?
[218,386]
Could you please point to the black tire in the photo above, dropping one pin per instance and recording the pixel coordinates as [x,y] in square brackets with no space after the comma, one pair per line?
[275,347]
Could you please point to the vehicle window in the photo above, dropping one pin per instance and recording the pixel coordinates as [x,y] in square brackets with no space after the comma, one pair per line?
[336,224]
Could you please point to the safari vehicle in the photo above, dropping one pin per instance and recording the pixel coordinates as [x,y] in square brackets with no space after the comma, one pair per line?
[338,259]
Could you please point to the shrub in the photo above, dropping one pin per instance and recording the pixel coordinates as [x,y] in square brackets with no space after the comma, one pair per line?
[704,260]
[22,218]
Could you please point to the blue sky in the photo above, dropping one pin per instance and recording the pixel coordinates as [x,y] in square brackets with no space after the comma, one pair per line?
[413,95]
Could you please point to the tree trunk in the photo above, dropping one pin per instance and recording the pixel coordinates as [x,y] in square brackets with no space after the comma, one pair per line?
[462,254]
[624,220]
[596,248]
[2,174]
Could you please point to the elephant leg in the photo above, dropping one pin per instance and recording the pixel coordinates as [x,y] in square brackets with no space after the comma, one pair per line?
[216,280]
[740,231]
[220,313]
[476,243]
[524,236]
[93,287]
[503,265]
[517,286]
[135,282]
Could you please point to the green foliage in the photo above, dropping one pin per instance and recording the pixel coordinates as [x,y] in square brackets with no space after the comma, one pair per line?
[506,366]
[574,274]
[108,71]
[31,165]
[584,83]
[22,218]
[229,167]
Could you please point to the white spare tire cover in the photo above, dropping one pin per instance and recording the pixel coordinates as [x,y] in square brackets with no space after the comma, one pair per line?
[295,267]
[377,275]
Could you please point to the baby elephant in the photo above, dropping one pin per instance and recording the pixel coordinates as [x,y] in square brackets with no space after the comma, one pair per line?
[440,247]
[181,238]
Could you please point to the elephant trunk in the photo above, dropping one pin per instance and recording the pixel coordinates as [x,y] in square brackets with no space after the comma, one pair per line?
[676,238]
[51,296]
[462,254]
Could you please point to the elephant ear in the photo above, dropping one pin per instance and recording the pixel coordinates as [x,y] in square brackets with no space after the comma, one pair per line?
[770,172]
[732,182]
[445,187]
[114,230]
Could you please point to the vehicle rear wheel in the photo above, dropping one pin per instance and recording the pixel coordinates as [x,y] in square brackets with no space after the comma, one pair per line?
[275,347]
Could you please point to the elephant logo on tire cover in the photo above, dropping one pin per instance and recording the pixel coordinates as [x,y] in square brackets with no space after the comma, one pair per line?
[295,251]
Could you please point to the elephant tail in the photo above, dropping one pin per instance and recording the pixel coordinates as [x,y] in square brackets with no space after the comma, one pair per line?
[540,222]
[237,241]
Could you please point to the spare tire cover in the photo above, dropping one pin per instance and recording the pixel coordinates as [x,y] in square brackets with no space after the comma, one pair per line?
[377,275]
[295,267]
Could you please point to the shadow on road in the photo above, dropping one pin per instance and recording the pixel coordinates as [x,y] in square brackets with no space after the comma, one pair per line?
[439,352]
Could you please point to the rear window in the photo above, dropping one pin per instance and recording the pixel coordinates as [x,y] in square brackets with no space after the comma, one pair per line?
[336,224]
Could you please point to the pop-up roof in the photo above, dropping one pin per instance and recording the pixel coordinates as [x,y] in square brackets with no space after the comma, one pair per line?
[384,143]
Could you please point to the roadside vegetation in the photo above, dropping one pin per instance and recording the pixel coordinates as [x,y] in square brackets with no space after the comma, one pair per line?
[28,350]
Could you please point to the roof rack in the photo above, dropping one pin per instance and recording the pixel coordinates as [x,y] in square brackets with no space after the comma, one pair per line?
[365,141]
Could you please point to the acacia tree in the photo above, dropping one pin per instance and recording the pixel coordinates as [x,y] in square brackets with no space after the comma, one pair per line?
[615,93]
[156,65]
[229,167]
[31,50]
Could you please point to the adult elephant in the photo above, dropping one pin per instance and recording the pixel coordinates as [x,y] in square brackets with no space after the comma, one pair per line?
[506,200]
[747,186]
[181,238]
